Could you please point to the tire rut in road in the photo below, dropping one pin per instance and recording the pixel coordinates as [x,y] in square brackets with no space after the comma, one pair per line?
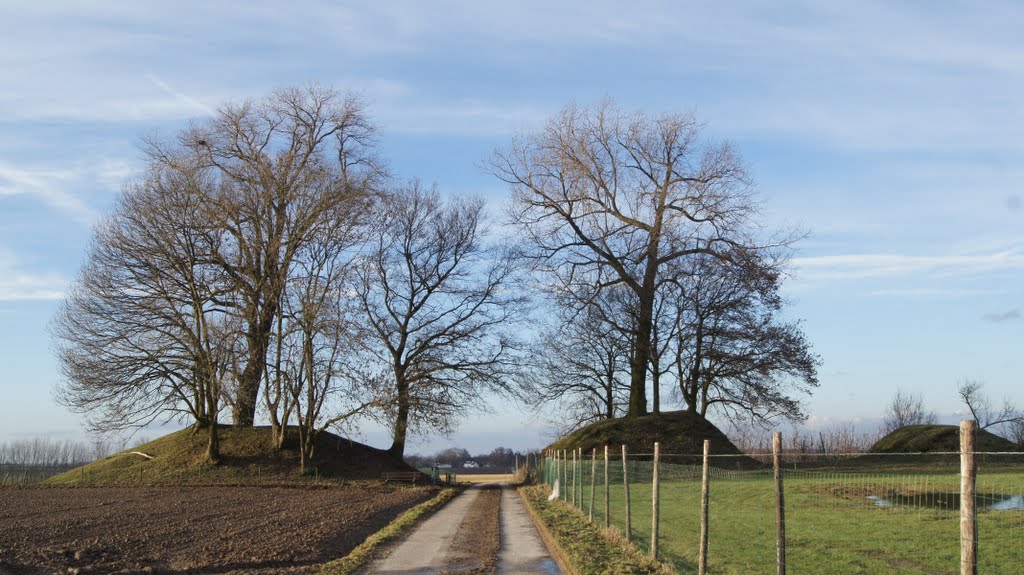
[475,546]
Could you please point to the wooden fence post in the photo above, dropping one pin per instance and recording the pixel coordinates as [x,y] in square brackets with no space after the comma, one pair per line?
[780,506]
[593,477]
[625,486]
[607,519]
[580,481]
[968,516]
[574,466]
[702,562]
[563,488]
[655,499]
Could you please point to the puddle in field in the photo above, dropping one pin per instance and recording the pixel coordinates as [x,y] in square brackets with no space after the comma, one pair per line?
[949,501]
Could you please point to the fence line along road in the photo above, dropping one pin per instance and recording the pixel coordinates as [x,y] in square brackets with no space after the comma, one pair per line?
[805,513]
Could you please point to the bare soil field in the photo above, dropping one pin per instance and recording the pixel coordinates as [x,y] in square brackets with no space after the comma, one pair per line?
[195,530]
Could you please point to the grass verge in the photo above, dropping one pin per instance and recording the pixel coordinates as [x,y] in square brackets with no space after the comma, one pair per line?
[367,550]
[579,546]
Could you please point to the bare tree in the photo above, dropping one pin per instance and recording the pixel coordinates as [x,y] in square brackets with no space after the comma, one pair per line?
[906,409]
[988,416]
[183,291]
[584,369]
[1016,432]
[607,198]
[732,352]
[144,329]
[441,307]
[284,166]
[322,378]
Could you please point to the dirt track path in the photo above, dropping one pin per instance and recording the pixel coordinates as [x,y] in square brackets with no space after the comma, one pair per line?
[484,531]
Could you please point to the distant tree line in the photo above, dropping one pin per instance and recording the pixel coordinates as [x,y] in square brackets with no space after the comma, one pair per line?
[502,457]
[267,265]
[45,452]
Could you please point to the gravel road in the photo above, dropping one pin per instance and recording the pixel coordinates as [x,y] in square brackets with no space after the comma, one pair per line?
[484,531]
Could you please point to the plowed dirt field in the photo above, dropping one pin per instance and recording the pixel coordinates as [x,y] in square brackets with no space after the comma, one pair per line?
[194,530]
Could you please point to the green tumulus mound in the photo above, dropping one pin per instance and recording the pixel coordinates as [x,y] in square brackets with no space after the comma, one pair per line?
[937,438]
[680,433]
[247,457]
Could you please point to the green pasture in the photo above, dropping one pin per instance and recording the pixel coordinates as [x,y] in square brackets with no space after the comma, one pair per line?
[833,524]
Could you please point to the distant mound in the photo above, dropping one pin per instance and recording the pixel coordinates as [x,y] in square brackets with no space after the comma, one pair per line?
[937,438]
[246,458]
[678,432]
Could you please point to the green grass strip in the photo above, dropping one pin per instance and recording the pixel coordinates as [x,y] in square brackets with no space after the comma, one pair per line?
[581,547]
[367,550]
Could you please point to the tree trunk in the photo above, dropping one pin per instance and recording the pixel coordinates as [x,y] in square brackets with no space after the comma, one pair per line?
[243,413]
[609,389]
[637,387]
[655,372]
[213,445]
[397,449]
[639,359]
[656,386]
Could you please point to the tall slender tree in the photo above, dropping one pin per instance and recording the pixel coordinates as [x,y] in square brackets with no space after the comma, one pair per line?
[441,307]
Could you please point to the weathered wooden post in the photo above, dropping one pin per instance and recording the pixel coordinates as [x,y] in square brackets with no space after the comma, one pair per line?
[780,506]
[580,478]
[625,486]
[702,562]
[593,482]
[968,515]
[607,518]
[565,484]
[655,499]
[565,470]
[573,476]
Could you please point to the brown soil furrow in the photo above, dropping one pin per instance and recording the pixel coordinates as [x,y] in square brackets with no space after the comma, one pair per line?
[223,530]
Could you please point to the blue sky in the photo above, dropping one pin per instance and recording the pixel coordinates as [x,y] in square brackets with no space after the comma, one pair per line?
[891,130]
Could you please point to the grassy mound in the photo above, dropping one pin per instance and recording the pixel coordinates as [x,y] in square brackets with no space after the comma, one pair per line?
[246,457]
[679,432]
[937,438]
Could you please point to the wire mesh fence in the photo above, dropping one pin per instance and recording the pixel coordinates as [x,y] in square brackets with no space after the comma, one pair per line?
[838,513]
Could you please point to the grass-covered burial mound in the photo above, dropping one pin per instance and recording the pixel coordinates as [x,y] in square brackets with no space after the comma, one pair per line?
[937,438]
[246,458]
[678,432]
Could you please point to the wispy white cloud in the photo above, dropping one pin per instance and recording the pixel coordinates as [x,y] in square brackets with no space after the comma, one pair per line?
[185,99]
[464,117]
[934,292]
[16,284]
[868,74]
[860,266]
[48,185]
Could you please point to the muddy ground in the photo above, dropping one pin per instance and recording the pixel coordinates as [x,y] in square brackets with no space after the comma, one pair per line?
[194,530]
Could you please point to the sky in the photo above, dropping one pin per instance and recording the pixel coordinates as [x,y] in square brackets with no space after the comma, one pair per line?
[891,131]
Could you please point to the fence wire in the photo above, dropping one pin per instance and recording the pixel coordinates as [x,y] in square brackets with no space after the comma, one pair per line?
[861,513]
